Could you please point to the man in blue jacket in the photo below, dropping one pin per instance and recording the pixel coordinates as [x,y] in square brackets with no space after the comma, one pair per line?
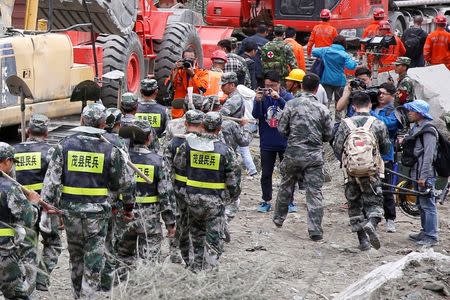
[267,108]
[385,112]
[335,60]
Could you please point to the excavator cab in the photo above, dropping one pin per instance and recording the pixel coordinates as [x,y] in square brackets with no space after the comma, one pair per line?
[302,9]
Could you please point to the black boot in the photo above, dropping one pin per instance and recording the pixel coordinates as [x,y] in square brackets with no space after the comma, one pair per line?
[364,244]
[371,229]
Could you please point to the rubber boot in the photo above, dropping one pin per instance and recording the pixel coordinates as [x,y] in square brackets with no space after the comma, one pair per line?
[364,244]
[371,229]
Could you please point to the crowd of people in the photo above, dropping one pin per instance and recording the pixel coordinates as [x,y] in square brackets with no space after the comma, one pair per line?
[123,170]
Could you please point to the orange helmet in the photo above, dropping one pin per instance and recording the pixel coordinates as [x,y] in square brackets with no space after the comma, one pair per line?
[384,25]
[440,19]
[219,54]
[325,14]
[378,14]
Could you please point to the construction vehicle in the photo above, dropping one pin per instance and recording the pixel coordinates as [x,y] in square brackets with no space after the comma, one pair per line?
[85,39]
[350,17]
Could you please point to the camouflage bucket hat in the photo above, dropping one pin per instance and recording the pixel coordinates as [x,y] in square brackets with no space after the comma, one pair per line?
[94,114]
[149,84]
[7,151]
[38,123]
[228,77]
[194,116]
[402,60]
[113,116]
[129,101]
[212,120]
[137,131]
[197,100]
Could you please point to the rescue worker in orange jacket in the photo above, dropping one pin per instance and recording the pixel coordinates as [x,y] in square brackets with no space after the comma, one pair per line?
[437,46]
[322,34]
[299,54]
[372,29]
[218,58]
[186,75]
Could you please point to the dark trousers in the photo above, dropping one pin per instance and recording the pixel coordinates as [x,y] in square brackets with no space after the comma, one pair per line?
[335,91]
[268,159]
[388,198]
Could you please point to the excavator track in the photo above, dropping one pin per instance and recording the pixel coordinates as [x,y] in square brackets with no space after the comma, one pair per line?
[108,16]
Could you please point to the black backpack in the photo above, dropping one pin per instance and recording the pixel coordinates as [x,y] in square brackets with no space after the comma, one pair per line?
[412,45]
[441,162]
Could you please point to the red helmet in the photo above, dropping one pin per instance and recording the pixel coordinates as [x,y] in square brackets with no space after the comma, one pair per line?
[219,54]
[378,14]
[440,19]
[325,14]
[384,25]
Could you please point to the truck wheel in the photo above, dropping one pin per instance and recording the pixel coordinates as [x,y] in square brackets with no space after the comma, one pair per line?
[177,38]
[399,27]
[123,53]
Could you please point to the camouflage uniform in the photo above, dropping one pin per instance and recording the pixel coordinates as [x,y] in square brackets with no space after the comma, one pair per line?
[82,172]
[234,105]
[277,55]
[405,85]
[144,234]
[16,214]
[307,124]
[364,195]
[176,126]
[33,157]
[212,181]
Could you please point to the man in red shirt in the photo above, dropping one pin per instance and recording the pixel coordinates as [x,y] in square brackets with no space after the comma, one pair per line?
[437,46]
[322,34]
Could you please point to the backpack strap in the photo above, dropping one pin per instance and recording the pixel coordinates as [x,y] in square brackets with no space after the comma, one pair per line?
[350,124]
[369,122]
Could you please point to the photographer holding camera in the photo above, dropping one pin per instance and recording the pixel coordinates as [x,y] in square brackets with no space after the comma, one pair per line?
[185,75]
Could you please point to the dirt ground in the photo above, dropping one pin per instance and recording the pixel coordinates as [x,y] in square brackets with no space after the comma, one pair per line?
[264,262]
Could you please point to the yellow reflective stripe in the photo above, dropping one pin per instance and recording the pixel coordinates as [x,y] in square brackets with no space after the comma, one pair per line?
[84,191]
[180,178]
[149,199]
[35,187]
[206,185]
[28,161]
[7,232]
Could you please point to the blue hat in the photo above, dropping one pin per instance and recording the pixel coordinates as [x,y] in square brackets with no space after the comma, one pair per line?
[419,106]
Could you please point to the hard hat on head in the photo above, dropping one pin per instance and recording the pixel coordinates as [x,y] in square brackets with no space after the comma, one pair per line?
[325,14]
[228,77]
[6,151]
[384,25]
[212,120]
[219,54]
[113,116]
[93,114]
[194,116]
[38,123]
[378,14]
[149,85]
[296,75]
[129,101]
[440,19]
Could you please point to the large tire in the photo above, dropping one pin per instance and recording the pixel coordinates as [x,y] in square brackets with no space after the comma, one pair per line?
[177,38]
[123,53]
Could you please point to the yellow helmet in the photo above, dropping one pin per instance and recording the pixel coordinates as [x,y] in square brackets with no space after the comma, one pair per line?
[296,75]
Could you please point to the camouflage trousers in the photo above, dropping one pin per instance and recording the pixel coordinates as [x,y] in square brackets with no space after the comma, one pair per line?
[86,245]
[311,174]
[142,237]
[206,216]
[110,253]
[182,238]
[365,200]
[28,254]
[14,282]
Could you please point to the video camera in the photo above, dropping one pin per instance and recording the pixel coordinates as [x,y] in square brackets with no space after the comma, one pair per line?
[358,85]
[378,42]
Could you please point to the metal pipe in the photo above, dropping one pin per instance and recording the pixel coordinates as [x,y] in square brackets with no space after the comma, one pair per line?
[92,38]
[401,175]
[420,2]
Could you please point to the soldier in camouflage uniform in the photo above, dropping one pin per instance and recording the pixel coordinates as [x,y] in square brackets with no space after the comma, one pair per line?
[129,107]
[148,109]
[81,174]
[307,124]
[405,85]
[177,126]
[364,194]
[193,124]
[16,215]
[33,157]
[143,236]
[277,55]
[234,105]
[211,182]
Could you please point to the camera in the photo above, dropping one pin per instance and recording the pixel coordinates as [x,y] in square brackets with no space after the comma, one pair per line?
[264,91]
[358,85]
[187,63]
[379,42]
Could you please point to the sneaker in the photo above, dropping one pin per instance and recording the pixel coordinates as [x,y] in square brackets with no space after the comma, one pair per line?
[427,242]
[264,207]
[373,236]
[415,237]
[292,207]
[390,226]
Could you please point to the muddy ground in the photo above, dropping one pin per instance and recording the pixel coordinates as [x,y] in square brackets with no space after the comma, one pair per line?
[264,262]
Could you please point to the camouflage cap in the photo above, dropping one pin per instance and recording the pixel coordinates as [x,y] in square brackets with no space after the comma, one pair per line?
[93,114]
[210,102]
[228,77]
[38,123]
[194,116]
[197,100]
[6,151]
[212,120]
[403,60]
[113,116]
[149,84]
[129,101]
[137,131]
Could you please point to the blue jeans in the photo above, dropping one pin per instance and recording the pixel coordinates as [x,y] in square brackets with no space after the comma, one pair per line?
[248,160]
[428,216]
